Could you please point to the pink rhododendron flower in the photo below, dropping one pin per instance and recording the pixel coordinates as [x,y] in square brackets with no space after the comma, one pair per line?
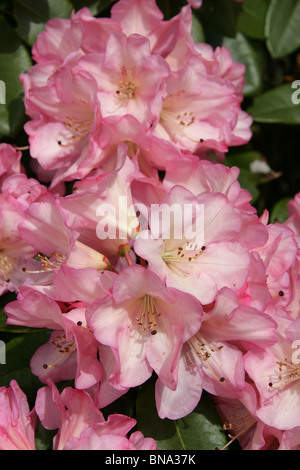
[136,247]
[18,423]
[190,117]
[44,227]
[63,107]
[240,420]
[18,193]
[213,359]
[129,78]
[293,221]
[145,323]
[10,161]
[101,202]
[72,351]
[81,425]
[136,16]
[201,269]
[195,3]
[63,36]
[279,255]
[195,105]
[275,372]
[291,439]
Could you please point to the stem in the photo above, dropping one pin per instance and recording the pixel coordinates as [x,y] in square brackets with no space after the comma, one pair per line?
[128,259]
[21,148]
[111,268]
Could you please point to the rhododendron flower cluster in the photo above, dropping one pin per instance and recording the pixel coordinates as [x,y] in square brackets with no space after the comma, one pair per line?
[155,263]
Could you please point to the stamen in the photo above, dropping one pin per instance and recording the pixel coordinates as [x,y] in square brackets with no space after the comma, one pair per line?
[177,123]
[64,347]
[6,265]
[187,252]
[239,424]
[288,373]
[126,89]
[148,315]
[48,264]
[204,351]
[78,129]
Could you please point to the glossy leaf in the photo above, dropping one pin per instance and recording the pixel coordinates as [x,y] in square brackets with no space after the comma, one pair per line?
[242,51]
[251,20]
[19,351]
[197,32]
[282,27]
[276,106]
[31,16]
[279,212]
[44,438]
[14,59]
[221,15]
[201,429]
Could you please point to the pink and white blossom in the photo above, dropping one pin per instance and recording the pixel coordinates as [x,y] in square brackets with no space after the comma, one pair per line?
[145,323]
[199,269]
[81,425]
[18,423]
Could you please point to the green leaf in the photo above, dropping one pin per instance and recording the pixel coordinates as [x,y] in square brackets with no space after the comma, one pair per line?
[282,27]
[247,179]
[44,438]
[251,20]
[242,160]
[31,16]
[14,59]
[276,106]
[279,212]
[200,430]
[221,15]
[19,351]
[243,52]
[197,32]
[247,183]
[96,7]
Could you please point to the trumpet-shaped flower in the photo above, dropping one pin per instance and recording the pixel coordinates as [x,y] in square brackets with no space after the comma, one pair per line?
[198,263]
[129,78]
[81,425]
[145,323]
[45,229]
[213,359]
[18,423]
[275,372]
